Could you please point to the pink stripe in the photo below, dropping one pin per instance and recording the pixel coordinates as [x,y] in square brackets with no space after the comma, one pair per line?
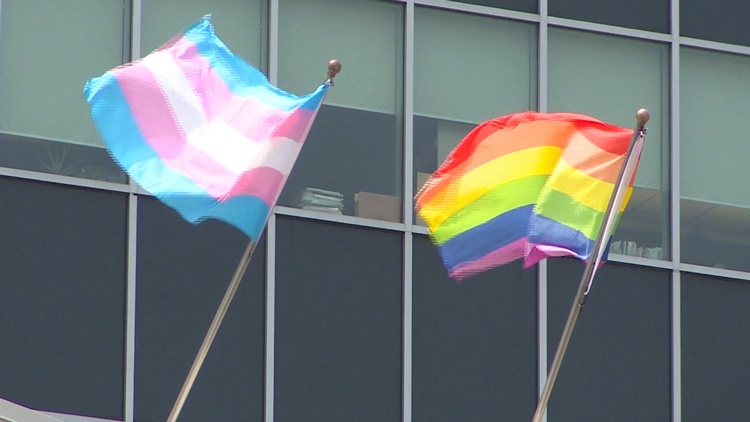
[248,184]
[250,117]
[539,252]
[151,110]
[493,259]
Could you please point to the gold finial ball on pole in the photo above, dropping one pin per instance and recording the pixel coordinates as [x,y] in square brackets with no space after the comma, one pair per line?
[641,117]
[334,67]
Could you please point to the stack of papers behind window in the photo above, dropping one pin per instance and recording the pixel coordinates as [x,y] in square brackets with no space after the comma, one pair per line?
[321,200]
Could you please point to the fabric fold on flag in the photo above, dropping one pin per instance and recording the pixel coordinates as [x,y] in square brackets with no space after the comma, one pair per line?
[203,130]
[528,185]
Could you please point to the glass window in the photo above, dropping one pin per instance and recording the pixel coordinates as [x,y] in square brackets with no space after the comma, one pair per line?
[617,365]
[338,323]
[49,49]
[474,345]
[62,298]
[649,15]
[463,77]
[610,78]
[717,20]
[530,6]
[715,339]
[183,272]
[241,24]
[714,128]
[352,159]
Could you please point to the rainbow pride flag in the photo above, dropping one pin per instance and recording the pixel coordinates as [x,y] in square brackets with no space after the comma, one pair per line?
[527,185]
[203,130]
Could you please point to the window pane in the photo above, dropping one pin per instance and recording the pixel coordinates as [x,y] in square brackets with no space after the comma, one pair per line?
[463,77]
[241,24]
[354,149]
[474,352]
[530,6]
[649,15]
[62,298]
[610,78]
[183,272]
[49,49]
[617,365]
[338,323]
[714,128]
[715,340]
[717,20]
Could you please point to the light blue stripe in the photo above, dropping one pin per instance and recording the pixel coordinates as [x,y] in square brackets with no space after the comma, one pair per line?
[127,147]
[242,79]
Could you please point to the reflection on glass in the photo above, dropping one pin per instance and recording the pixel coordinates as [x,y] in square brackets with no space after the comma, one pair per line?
[49,50]
[714,129]
[352,160]
[463,77]
[474,343]
[715,339]
[338,323]
[620,350]
[239,24]
[610,78]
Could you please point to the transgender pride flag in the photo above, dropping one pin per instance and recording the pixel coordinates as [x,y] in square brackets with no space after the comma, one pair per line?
[203,130]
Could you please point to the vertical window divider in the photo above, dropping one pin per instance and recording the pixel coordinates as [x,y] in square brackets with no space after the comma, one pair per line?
[132,246]
[674,160]
[542,266]
[407,210]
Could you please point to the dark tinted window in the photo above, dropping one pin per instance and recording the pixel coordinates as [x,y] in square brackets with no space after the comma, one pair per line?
[649,15]
[338,323]
[715,340]
[530,6]
[474,343]
[62,298]
[617,365]
[719,20]
[183,272]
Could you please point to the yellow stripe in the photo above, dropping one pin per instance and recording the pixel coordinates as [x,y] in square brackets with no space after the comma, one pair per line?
[585,189]
[465,190]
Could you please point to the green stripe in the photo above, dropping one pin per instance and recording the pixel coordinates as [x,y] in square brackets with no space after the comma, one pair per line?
[564,209]
[499,200]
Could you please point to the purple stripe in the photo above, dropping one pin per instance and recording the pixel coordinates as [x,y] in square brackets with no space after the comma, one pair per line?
[508,253]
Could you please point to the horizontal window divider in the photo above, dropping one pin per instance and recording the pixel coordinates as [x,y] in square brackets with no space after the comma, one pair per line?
[479,10]
[609,29]
[64,180]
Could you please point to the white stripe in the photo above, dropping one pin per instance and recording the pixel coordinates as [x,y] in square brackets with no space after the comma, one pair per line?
[225,145]
[183,101]
[280,154]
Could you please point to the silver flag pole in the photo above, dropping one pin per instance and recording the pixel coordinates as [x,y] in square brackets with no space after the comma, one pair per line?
[615,202]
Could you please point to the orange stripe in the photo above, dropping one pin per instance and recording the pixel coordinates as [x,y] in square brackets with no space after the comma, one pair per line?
[591,160]
[501,142]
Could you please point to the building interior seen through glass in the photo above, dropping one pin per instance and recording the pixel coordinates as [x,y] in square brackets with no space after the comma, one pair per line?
[352,161]
[458,88]
[610,78]
[44,118]
[715,207]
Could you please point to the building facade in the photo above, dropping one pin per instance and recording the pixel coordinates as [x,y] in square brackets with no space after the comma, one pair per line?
[346,313]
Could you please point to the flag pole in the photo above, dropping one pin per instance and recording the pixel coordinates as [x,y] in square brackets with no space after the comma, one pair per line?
[334,67]
[615,202]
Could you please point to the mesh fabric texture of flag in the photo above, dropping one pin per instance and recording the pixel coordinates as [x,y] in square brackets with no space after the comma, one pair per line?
[527,185]
[201,129]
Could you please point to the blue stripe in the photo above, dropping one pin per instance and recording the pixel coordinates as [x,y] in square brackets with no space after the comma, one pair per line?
[477,242]
[129,149]
[241,78]
[543,230]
